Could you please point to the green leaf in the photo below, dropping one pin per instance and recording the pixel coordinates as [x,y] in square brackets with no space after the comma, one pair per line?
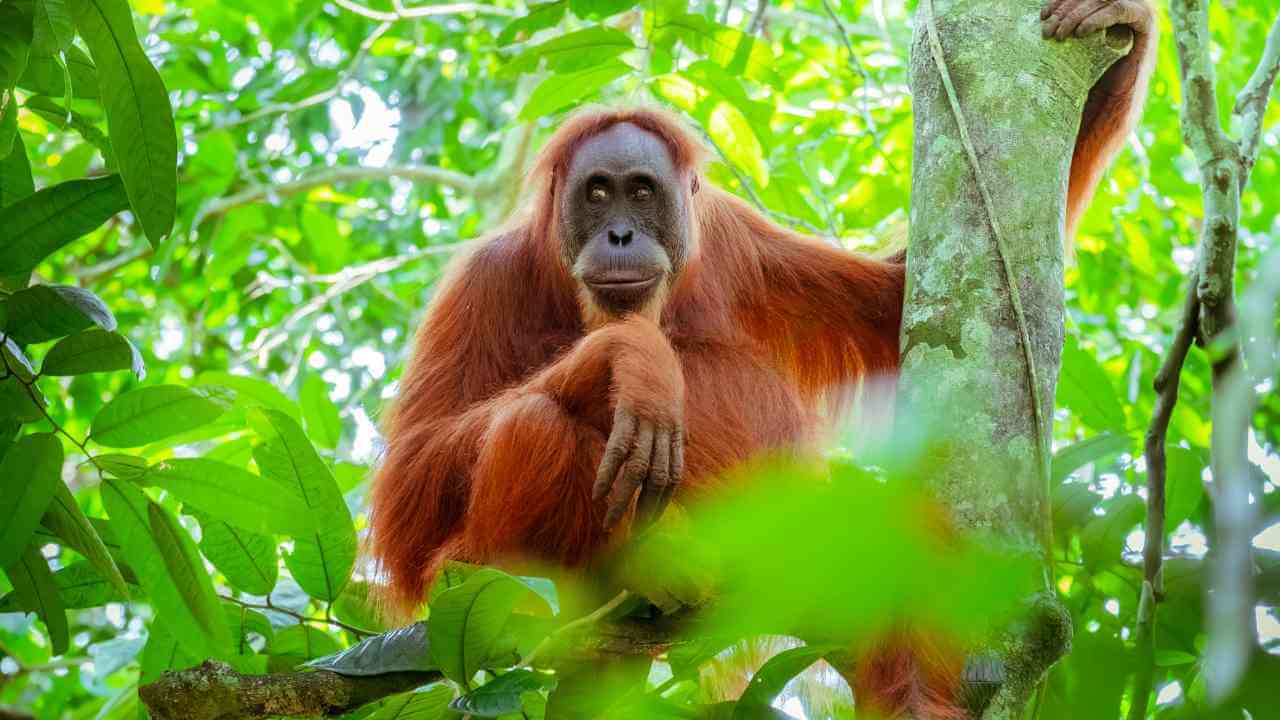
[79,585]
[15,42]
[1172,658]
[47,312]
[324,425]
[129,510]
[430,703]
[148,414]
[572,52]
[187,574]
[296,644]
[242,620]
[405,649]
[92,351]
[34,587]
[165,651]
[42,223]
[139,118]
[1184,489]
[121,465]
[1102,540]
[540,17]
[45,76]
[732,133]
[501,696]
[251,391]
[15,176]
[1073,457]
[8,124]
[1086,389]
[65,519]
[53,27]
[562,90]
[321,562]
[17,404]
[29,476]
[773,676]
[233,495]
[247,559]
[466,621]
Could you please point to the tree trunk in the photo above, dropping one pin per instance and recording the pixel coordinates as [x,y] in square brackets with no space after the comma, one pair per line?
[965,370]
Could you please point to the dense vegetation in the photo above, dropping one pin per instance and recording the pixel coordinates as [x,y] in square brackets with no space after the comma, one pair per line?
[195,361]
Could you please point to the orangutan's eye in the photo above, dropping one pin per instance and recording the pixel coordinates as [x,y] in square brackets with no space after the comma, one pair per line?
[642,194]
[598,193]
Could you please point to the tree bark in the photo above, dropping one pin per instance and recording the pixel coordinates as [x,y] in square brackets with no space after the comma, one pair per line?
[1013,110]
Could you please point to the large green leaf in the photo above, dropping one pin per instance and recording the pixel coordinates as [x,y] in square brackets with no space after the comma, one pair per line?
[324,425]
[15,42]
[540,17]
[501,696]
[321,562]
[90,351]
[139,118]
[734,136]
[571,52]
[152,413]
[297,644]
[1102,540]
[34,587]
[247,559]
[467,620]
[15,176]
[186,571]
[405,649]
[430,703]
[1075,456]
[29,475]
[251,391]
[773,676]
[47,312]
[53,27]
[65,519]
[41,223]
[8,124]
[161,557]
[45,76]
[562,90]
[79,585]
[1086,390]
[1184,490]
[234,495]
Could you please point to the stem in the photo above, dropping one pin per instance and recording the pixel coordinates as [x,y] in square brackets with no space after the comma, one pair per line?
[327,620]
[569,627]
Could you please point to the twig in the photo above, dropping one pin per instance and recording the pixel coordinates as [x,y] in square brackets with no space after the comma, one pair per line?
[424,11]
[596,616]
[860,68]
[28,384]
[1166,385]
[1251,103]
[758,17]
[326,620]
[331,176]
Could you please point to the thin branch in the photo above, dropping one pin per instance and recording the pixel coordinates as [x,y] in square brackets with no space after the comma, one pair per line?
[570,627]
[424,11]
[1251,103]
[1166,384]
[332,176]
[327,620]
[758,18]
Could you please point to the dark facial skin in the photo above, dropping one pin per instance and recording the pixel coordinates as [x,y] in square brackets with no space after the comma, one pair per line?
[625,218]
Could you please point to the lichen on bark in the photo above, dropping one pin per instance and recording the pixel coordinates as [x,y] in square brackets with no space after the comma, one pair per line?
[964,371]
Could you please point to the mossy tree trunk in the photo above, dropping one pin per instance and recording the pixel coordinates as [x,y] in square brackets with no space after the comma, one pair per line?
[965,370]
